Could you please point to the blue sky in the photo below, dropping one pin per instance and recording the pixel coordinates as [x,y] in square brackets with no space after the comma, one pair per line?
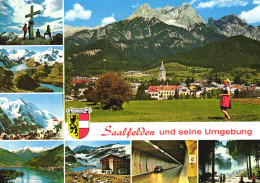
[12,15]
[36,49]
[92,13]
[49,102]
[74,144]
[14,145]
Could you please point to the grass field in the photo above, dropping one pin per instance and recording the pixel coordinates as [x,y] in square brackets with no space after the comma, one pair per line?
[172,111]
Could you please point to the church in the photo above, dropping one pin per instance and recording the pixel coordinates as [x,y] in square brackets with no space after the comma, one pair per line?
[162,73]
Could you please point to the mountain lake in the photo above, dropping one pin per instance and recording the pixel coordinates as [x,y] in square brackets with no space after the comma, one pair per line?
[19,67]
[80,168]
[24,67]
[54,88]
[37,175]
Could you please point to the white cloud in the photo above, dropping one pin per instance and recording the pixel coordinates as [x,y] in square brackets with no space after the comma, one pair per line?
[22,8]
[4,99]
[108,20]
[193,1]
[135,5]
[55,26]
[53,8]
[252,16]
[256,2]
[77,13]
[222,3]
[14,28]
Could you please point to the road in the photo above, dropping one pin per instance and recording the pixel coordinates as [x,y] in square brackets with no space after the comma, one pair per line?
[168,176]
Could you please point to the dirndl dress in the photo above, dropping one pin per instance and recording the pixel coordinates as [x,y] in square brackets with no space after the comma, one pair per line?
[225,100]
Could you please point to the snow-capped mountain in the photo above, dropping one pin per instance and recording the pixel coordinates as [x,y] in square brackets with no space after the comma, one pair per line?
[94,156]
[183,16]
[30,152]
[8,36]
[22,116]
[50,56]
[17,55]
[32,149]
[4,60]
[83,148]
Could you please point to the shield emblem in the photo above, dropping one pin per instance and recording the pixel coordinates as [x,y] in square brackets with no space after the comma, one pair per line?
[78,121]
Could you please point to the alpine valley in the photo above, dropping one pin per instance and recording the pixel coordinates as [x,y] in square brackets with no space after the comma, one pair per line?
[24,70]
[32,164]
[148,36]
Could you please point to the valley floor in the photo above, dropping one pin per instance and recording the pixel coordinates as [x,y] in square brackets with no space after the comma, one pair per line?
[173,111]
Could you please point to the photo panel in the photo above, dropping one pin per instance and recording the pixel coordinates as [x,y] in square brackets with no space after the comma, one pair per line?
[164,161]
[32,161]
[148,61]
[26,69]
[31,116]
[97,161]
[230,160]
[33,22]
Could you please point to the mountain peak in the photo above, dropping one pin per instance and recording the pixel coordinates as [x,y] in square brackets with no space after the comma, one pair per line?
[144,11]
[233,25]
[145,6]
[186,5]
[183,16]
[21,101]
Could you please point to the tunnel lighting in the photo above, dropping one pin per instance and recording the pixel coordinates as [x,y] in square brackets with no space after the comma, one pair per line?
[156,147]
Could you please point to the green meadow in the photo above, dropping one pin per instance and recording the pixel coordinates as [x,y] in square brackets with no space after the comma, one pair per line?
[172,111]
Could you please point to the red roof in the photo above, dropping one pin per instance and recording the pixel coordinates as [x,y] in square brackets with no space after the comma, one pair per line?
[163,87]
[80,81]
[152,89]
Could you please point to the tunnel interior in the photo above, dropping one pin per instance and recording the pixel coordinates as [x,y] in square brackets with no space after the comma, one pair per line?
[146,155]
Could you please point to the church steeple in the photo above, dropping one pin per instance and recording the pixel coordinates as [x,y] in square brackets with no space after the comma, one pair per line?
[162,72]
[162,67]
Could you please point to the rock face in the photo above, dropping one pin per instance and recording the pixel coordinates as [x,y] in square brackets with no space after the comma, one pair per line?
[71,30]
[57,39]
[183,16]
[233,25]
[146,39]
[23,81]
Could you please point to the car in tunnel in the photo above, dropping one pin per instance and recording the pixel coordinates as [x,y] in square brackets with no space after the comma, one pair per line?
[158,169]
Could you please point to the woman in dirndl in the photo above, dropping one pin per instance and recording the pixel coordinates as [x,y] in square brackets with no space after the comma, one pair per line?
[225,98]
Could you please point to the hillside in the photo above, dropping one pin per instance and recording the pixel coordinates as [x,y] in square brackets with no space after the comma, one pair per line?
[27,153]
[10,159]
[237,51]
[50,158]
[101,55]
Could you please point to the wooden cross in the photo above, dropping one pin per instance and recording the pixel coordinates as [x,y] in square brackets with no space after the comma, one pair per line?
[31,22]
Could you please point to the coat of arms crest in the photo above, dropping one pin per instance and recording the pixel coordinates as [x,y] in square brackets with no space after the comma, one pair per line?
[78,121]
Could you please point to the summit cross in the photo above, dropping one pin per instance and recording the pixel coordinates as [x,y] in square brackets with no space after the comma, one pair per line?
[31,22]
